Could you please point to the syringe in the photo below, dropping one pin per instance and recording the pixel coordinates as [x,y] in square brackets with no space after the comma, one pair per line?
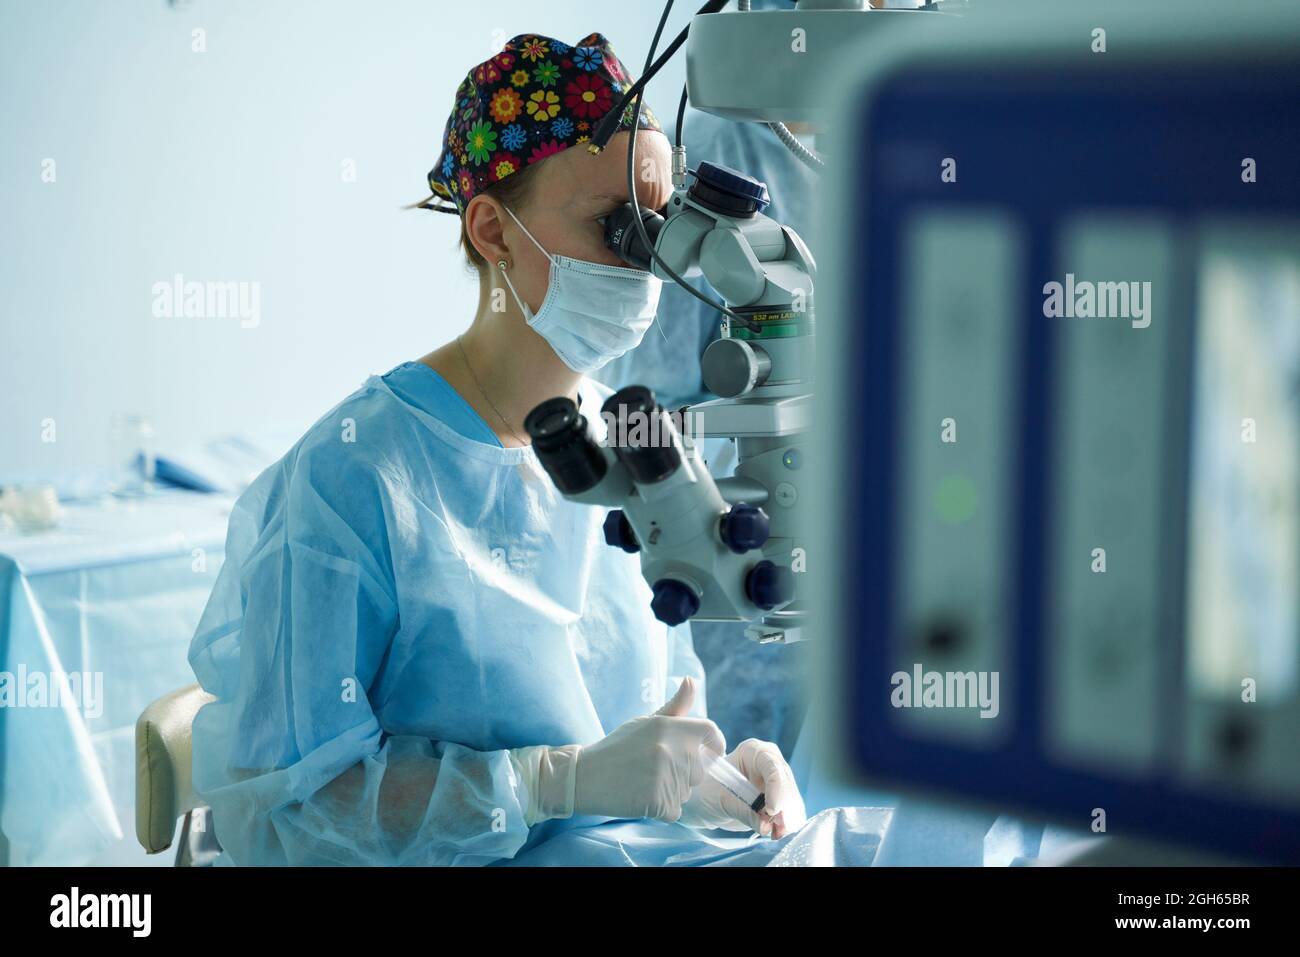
[726,774]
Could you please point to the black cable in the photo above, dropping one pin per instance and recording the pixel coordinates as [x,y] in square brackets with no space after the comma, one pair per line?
[606,127]
[681,115]
[659,32]
[745,321]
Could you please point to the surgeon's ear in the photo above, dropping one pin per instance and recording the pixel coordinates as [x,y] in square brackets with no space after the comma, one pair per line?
[484,218]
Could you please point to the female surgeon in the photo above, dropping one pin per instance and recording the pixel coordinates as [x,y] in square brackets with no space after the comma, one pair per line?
[420,652]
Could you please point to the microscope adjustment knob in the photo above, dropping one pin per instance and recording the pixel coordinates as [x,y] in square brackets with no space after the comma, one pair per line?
[744,527]
[673,601]
[769,584]
[618,532]
[732,367]
[728,191]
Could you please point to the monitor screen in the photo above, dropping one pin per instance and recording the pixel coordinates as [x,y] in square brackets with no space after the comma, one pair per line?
[1070,567]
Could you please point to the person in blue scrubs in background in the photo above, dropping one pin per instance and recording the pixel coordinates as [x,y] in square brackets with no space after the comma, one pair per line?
[420,652]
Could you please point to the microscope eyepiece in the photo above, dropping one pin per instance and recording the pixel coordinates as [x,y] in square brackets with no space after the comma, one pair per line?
[641,434]
[631,399]
[570,456]
[621,234]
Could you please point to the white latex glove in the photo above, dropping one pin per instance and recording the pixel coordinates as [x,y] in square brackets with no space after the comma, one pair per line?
[645,767]
[648,766]
[712,805]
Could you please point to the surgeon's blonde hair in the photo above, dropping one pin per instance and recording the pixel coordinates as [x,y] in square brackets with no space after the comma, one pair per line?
[513,191]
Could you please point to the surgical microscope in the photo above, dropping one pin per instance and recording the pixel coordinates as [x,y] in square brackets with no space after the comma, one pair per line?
[724,549]
[728,549]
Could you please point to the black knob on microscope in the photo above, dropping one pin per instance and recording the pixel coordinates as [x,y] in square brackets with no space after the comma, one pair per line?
[618,532]
[728,191]
[673,601]
[769,584]
[744,527]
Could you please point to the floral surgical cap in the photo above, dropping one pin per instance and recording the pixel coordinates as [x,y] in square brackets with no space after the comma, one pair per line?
[536,97]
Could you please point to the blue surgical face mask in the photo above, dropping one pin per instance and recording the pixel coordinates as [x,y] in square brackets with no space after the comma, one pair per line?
[592,313]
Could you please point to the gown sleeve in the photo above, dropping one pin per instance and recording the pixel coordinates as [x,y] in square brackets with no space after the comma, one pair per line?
[291,756]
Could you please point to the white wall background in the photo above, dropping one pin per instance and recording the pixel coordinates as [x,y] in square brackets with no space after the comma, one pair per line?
[227,165]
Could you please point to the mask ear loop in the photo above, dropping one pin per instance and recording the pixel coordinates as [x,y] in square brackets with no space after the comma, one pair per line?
[501,264]
[549,257]
[523,306]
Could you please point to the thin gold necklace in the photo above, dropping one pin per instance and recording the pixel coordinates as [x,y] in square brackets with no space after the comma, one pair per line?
[482,392]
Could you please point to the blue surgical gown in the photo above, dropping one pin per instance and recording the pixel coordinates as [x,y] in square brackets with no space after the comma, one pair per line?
[400,604]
